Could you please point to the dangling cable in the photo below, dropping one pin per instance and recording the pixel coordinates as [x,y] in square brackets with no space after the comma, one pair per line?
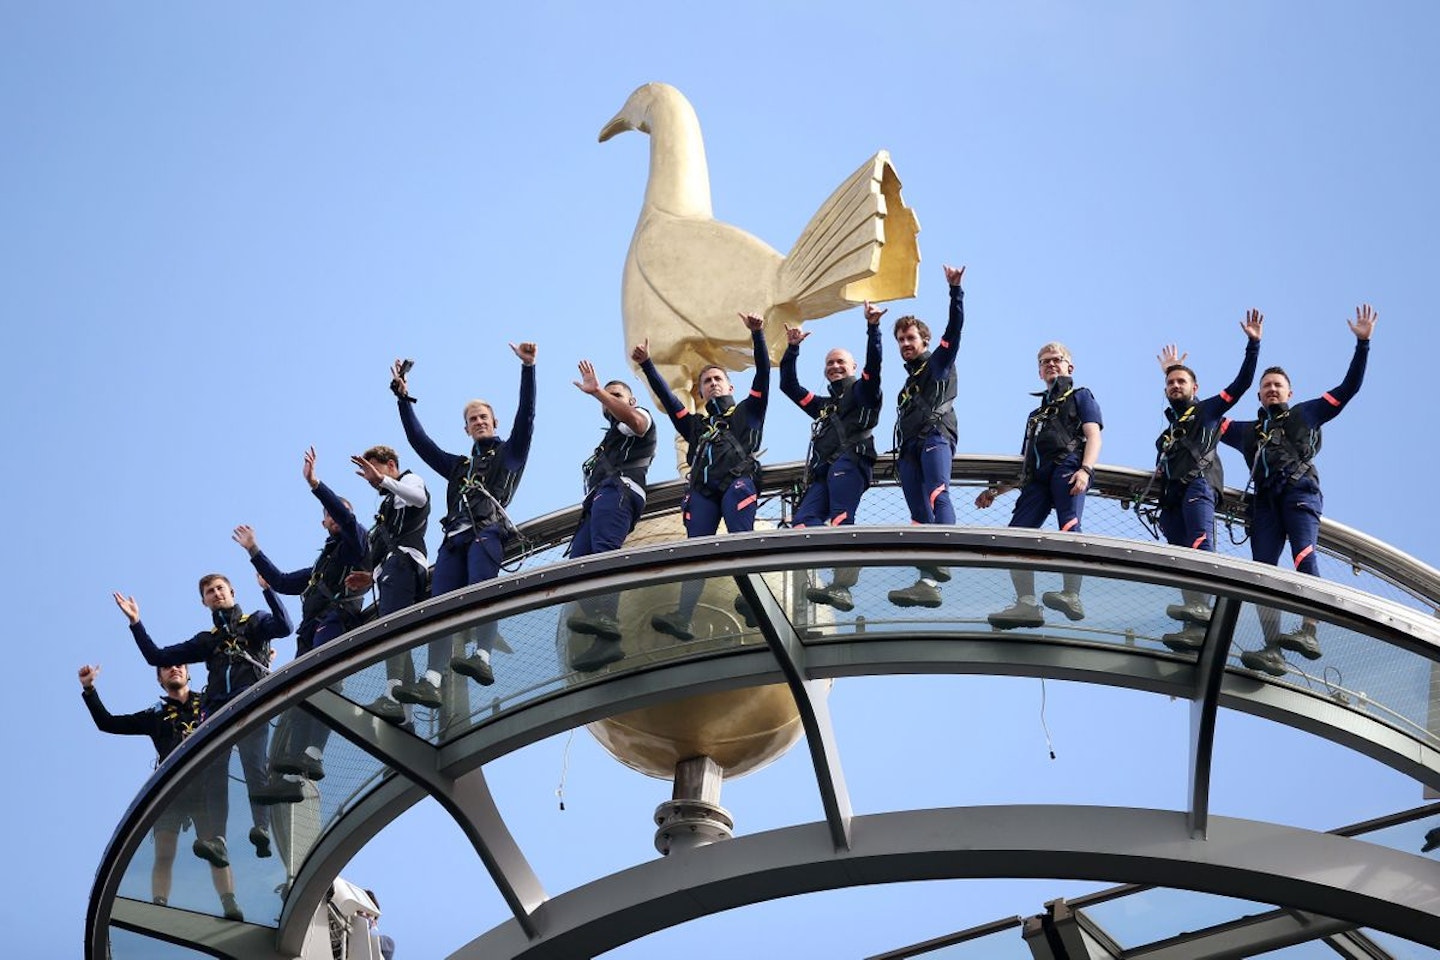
[1049,744]
[564,769]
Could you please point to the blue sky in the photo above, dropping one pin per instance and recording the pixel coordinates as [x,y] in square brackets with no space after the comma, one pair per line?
[219,222]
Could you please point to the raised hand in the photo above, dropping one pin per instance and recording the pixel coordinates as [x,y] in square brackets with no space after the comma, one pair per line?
[1170,356]
[753,321]
[588,382]
[310,477]
[641,353]
[953,276]
[245,536]
[1253,324]
[1363,326]
[129,607]
[367,471]
[795,335]
[526,351]
[873,313]
[398,370]
[88,675]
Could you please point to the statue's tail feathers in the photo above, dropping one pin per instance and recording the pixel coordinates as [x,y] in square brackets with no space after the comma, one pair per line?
[860,245]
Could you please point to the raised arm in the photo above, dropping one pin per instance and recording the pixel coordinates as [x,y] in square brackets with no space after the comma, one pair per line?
[137,724]
[943,356]
[867,390]
[789,376]
[630,414]
[1253,325]
[435,458]
[278,624]
[1363,326]
[671,404]
[351,531]
[760,385]
[522,432]
[293,583]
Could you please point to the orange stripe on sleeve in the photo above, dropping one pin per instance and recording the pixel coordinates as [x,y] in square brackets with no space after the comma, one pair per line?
[1072,522]
[1300,557]
[1330,399]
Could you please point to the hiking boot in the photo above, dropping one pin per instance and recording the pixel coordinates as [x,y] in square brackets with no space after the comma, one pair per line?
[600,652]
[938,574]
[212,851]
[387,710]
[918,594]
[831,596]
[475,667]
[1189,613]
[1266,660]
[301,764]
[747,613]
[1018,615]
[1301,641]
[261,838]
[230,907]
[594,625]
[1187,640]
[421,693]
[1432,840]
[672,624]
[278,791]
[1066,602]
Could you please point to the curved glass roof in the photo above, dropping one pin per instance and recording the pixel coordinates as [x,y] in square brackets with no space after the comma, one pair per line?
[1375,689]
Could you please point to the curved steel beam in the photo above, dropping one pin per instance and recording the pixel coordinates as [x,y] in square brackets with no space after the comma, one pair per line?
[1320,873]
[744,554]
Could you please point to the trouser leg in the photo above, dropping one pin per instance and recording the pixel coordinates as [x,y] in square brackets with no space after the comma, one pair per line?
[936,458]
[1031,508]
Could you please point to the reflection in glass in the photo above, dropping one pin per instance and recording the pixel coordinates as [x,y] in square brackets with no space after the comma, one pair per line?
[1388,684]
[1110,611]
[212,849]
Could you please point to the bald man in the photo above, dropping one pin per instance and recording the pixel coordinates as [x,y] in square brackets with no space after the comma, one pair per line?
[841,459]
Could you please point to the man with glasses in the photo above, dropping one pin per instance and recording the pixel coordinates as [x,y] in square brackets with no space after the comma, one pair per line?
[1061,447]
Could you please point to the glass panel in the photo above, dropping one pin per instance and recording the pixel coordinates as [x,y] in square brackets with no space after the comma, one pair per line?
[1163,912]
[893,600]
[1410,837]
[127,945]
[544,651]
[1401,949]
[1309,950]
[263,822]
[1391,685]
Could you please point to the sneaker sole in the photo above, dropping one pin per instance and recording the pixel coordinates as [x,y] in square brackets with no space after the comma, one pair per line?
[912,602]
[825,600]
[1187,616]
[1015,624]
[1306,651]
[1070,613]
[591,664]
